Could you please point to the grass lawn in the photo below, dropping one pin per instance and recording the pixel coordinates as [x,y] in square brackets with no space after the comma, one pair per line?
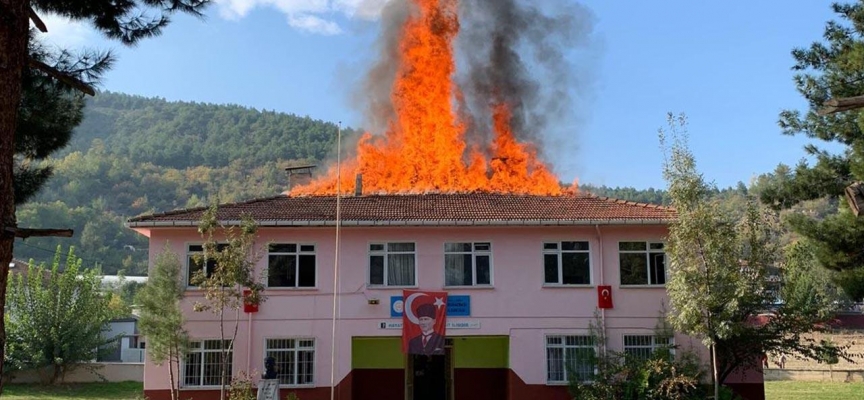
[792,390]
[81,391]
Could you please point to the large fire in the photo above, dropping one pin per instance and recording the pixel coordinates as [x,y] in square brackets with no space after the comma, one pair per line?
[424,148]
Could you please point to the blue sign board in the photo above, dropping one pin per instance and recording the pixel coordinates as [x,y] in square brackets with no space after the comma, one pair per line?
[457,306]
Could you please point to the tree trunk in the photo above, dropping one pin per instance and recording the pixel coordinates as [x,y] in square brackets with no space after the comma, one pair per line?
[13,58]
[174,384]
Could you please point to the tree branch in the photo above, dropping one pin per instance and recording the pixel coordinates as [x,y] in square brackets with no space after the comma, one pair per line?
[842,104]
[38,21]
[25,233]
[63,77]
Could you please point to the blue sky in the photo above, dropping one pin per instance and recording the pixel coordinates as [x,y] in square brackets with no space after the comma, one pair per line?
[725,64]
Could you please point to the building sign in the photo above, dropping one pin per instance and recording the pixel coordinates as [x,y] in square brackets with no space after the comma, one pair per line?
[464,324]
[268,389]
[457,306]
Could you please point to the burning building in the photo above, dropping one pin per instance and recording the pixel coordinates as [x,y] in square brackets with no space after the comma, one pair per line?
[456,205]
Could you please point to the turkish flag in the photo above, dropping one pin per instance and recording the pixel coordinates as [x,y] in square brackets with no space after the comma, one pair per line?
[604,297]
[424,322]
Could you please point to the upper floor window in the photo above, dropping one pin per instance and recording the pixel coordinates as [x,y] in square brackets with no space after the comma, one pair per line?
[201,366]
[392,264]
[194,263]
[291,265]
[295,360]
[642,263]
[570,356]
[643,346]
[467,264]
[566,263]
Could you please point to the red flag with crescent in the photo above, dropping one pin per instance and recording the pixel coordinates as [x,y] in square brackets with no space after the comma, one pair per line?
[424,322]
[604,297]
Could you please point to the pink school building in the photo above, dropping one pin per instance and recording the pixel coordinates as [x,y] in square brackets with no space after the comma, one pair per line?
[521,273]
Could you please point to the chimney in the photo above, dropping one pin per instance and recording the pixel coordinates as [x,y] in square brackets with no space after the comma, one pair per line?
[358,185]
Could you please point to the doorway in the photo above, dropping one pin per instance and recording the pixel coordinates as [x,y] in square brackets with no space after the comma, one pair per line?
[430,377]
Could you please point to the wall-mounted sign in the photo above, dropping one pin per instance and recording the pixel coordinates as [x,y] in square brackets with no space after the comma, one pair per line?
[471,324]
[457,306]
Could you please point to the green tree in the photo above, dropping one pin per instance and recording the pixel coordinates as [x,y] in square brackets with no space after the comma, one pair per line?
[23,65]
[833,68]
[56,316]
[161,319]
[716,264]
[226,270]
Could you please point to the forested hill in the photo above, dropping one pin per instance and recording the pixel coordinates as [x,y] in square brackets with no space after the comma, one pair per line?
[134,155]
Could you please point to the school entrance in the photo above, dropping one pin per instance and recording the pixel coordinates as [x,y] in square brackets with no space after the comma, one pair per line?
[473,367]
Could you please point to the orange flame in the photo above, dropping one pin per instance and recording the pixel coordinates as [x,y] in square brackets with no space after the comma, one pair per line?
[423,149]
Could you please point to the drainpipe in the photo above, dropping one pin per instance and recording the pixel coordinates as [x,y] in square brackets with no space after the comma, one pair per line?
[602,280]
[248,343]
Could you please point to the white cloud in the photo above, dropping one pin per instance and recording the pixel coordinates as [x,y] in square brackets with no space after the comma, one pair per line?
[313,24]
[307,15]
[64,32]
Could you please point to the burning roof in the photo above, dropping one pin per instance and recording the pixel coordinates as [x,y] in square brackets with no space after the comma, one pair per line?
[425,209]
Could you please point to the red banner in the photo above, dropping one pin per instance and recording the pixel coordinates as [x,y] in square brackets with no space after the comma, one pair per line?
[424,322]
[604,297]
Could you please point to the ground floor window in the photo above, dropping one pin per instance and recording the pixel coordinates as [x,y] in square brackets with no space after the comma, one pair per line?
[570,356]
[202,365]
[295,360]
[643,346]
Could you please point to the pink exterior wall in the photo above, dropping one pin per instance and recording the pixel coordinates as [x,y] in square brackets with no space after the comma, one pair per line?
[518,305]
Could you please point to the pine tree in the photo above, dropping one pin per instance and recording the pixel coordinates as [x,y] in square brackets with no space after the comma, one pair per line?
[126,21]
[161,320]
[830,69]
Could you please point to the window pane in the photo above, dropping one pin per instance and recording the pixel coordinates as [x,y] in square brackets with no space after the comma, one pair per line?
[400,246]
[550,268]
[457,269]
[575,270]
[193,268]
[400,269]
[580,362]
[484,271]
[658,268]
[456,247]
[376,247]
[307,247]
[192,370]
[631,246]
[283,248]
[550,246]
[306,370]
[482,246]
[634,269]
[655,246]
[281,270]
[376,270]
[574,246]
[555,364]
[212,368]
[196,248]
[307,271]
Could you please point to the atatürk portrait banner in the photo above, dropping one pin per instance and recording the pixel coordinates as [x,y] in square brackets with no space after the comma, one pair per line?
[424,321]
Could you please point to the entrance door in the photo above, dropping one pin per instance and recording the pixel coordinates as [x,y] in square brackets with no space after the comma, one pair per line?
[430,377]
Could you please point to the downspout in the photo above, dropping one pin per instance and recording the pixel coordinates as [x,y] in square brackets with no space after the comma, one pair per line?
[249,343]
[602,282]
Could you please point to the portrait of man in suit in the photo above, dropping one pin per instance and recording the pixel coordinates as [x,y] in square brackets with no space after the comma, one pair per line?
[428,342]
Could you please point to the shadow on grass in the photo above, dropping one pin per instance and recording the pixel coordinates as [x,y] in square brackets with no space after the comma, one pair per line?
[82,391]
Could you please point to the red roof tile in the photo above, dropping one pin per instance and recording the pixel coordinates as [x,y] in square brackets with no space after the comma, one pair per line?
[426,209]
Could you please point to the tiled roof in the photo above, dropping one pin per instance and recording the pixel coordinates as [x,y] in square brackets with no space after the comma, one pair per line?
[425,209]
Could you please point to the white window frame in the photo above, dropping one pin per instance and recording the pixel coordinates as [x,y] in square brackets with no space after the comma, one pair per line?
[648,251]
[563,346]
[295,350]
[202,350]
[297,254]
[385,253]
[656,342]
[474,253]
[559,251]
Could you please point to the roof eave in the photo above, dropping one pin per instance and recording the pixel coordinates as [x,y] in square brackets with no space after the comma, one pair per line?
[321,223]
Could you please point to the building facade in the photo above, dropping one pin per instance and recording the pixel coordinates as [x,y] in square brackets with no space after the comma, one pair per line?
[521,273]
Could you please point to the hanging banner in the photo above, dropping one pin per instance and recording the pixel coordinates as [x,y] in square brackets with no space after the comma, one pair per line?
[604,297]
[424,322]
